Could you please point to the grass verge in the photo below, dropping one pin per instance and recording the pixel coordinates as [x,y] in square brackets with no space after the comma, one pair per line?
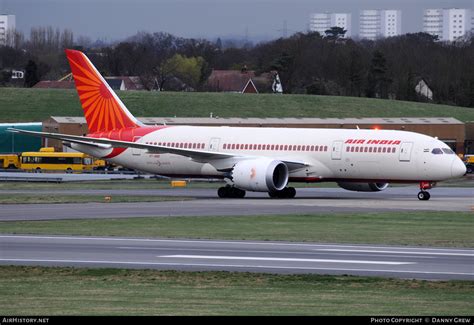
[443,229]
[58,198]
[142,184]
[68,291]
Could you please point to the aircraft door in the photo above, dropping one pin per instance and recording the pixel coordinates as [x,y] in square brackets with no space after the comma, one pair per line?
[136,151]
[405,151]
[336,152]
[214,144]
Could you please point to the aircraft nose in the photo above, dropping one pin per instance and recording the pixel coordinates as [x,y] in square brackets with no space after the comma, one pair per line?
[458,168]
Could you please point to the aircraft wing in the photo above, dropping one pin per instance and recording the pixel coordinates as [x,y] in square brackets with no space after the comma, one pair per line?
[220,160]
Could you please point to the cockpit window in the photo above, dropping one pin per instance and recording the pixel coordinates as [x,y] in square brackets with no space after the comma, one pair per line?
[437,151]
[448,151]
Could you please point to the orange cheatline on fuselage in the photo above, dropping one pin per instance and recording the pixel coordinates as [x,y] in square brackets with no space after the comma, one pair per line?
[103,111]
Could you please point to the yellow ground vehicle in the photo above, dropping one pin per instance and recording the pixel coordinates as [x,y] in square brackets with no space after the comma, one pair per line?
[48,159]
[469,159]
[9,161]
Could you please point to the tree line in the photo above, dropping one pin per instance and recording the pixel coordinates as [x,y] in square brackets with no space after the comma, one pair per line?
[307,63]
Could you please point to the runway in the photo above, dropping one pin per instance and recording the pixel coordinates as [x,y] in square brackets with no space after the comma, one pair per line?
[242,256]
[204,202]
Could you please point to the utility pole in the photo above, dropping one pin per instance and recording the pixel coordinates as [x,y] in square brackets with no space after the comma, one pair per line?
[284,30]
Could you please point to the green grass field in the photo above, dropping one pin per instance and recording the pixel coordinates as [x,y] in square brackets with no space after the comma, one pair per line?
[18,104]
[444,229]
[68,291]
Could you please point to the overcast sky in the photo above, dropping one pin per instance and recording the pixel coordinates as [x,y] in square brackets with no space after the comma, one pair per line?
[117,19]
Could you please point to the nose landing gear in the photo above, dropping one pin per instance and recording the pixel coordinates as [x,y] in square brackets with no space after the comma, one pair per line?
[423,195]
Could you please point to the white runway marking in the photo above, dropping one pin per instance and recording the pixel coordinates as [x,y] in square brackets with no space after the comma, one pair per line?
[276,259]
[236,251]
[391,252]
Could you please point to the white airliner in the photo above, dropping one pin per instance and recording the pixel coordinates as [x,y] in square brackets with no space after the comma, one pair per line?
[253,159]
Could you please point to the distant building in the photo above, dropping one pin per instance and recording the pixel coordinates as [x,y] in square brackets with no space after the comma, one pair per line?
[240,81]
[447,24]
[424,90]
[18,74]
[472,21]
[376,24]
[116,83]
[125,83]
[321,22]
[447,129]
[7,23]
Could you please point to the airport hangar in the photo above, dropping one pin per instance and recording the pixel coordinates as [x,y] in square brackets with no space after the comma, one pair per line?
[450,130]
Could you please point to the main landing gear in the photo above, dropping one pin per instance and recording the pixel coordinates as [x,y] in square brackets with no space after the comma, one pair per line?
[286,193]
[423,195]
[230,192]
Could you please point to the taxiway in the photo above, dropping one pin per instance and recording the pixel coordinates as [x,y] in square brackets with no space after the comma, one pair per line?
[204,202]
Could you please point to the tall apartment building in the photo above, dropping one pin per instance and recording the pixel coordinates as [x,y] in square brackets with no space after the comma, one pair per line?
[321,22]
[380,23]
[447,24]
[7,22]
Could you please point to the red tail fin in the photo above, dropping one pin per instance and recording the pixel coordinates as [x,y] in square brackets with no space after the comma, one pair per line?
[103,110]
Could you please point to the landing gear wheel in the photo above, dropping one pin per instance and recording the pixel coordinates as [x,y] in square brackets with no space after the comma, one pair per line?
[423,196]
[273,194]
[230,192]
[291,193]
[222,192]
[286,193]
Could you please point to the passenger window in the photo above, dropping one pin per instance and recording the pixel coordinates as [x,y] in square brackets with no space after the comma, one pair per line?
[437,151]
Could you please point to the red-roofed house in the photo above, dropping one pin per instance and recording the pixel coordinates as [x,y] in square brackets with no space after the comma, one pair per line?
[233,81]
[116,83]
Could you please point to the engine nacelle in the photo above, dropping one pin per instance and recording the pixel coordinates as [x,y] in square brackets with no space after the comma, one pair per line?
[363,187]
[260,175]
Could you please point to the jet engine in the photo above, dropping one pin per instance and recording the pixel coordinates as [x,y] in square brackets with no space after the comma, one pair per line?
[260,175]
[363,187]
